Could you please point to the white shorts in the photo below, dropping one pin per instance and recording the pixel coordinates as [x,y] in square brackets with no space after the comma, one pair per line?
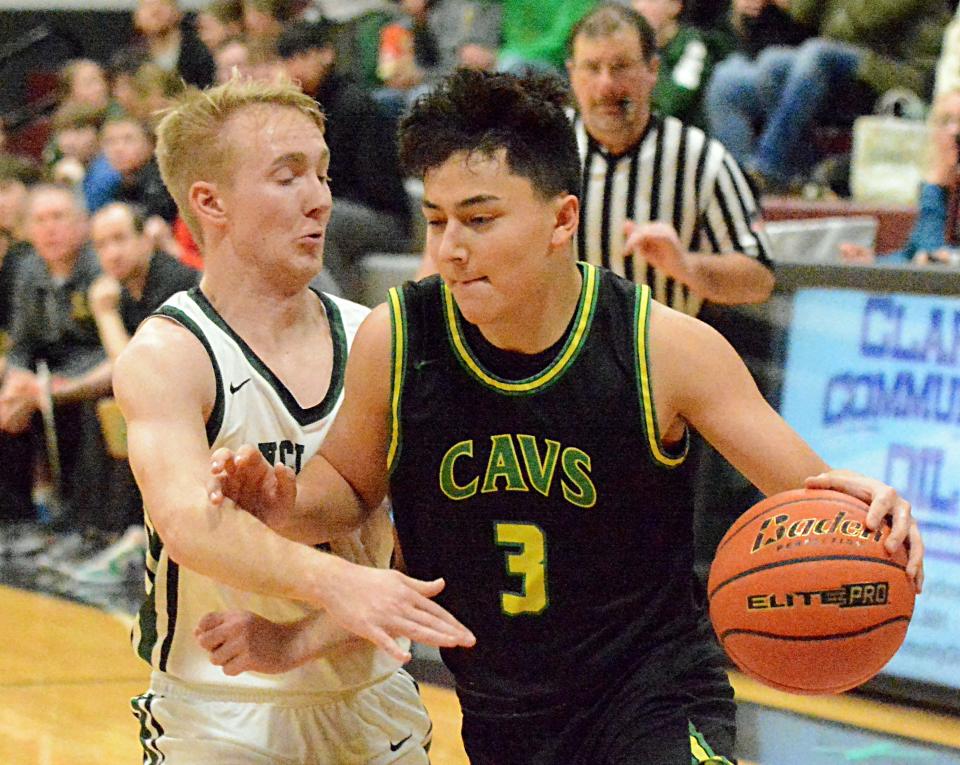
[380,724]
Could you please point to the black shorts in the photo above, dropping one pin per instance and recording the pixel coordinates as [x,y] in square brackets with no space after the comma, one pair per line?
[676,708]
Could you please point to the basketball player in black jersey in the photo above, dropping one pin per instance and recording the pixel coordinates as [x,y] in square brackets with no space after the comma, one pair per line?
[529,417]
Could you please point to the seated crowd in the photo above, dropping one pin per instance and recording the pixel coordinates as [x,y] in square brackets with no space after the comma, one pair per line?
[91,242]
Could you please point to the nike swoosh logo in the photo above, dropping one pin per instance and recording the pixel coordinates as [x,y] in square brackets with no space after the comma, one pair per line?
[235,388]
[401,742]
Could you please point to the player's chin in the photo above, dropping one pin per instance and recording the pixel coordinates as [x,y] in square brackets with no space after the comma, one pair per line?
[477,309]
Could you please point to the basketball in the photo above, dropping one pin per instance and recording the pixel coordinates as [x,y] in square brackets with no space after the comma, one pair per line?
[804,597]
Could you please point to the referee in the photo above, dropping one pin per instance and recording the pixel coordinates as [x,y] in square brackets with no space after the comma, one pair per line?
[661,203]
[665,205]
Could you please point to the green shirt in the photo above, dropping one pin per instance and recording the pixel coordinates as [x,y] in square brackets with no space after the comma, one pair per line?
[685,66]
[537,30]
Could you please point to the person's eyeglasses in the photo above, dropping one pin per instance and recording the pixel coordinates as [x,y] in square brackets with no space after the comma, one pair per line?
[615,69]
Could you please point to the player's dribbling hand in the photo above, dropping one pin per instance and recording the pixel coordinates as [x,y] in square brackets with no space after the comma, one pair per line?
[884,501]
[267,491]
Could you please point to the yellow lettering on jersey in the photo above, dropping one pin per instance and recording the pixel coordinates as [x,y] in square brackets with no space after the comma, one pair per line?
[539,470]
[576,465]
[503,463]
[448,484]
[528,562]
[505,472]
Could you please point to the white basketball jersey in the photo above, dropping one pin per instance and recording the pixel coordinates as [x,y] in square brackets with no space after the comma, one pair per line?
[253,407]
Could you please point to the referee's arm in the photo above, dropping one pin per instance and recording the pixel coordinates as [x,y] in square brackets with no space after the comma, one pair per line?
[737,269]
[729,278]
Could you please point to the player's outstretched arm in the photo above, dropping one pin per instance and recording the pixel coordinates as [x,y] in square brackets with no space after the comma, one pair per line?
[166,389]
[698,378]
[241,641]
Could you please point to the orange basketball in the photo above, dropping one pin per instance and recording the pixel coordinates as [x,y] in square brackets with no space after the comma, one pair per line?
[804,597]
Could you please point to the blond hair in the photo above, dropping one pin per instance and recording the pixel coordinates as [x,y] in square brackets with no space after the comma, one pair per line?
[190,147]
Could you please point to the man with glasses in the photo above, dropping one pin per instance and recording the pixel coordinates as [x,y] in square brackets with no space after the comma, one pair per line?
[661,204]
[664,205]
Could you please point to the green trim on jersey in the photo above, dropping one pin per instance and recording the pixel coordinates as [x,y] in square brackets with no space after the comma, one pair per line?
[144,632]
[576,340]
[215,421]
[660,455]
[398,370]
[337,334]
[701,752]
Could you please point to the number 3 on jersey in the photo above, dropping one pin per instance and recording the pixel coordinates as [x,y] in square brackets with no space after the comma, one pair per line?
[525,557]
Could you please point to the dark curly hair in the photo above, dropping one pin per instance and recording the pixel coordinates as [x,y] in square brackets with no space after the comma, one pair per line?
[483,112]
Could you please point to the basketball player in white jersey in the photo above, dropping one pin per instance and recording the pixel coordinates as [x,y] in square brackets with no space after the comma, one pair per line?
[255,356]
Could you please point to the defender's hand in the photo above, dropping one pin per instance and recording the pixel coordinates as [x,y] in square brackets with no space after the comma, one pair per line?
[267,491]
[240,641]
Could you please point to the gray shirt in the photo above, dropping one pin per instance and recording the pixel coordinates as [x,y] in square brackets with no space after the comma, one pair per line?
[52,319]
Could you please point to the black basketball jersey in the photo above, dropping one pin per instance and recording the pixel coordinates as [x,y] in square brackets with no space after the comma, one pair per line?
[560,522]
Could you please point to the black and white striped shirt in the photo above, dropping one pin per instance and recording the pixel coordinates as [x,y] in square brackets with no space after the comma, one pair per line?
[677,175]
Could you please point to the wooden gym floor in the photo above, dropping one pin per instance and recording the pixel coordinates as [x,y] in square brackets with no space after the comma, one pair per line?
[67,673]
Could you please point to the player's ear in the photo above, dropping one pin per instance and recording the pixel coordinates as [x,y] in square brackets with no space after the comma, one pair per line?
[567,210]
[206,202]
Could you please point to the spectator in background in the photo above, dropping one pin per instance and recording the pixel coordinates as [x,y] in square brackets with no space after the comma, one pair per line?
[128,146]
[743,88]
[371,212]
[52,321]
[356,35]
[74,157]
[685,61]
[861,51]
[220,21]
[170,41]
[705,14]
[233,53]
[430,40]
[535,32]
[83,104]
[928,242]
[153,90]
[84,83]
[122,73]
[17,175]
[263,20]
[135,280]
[249,58]
[948,65]
[467,33]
